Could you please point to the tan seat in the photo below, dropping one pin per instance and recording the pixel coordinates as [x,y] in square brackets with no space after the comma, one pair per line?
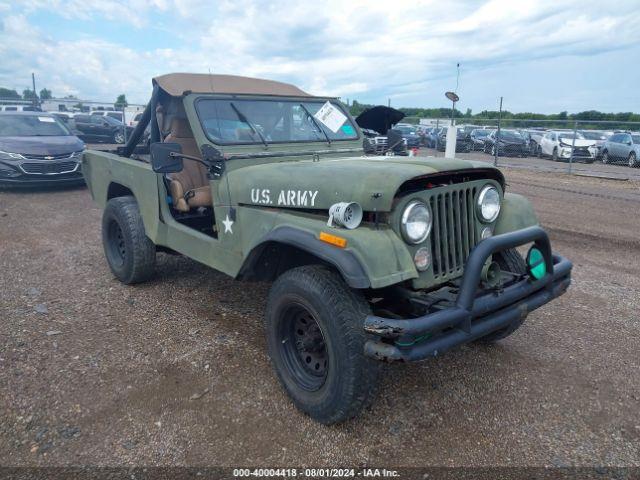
[190,187]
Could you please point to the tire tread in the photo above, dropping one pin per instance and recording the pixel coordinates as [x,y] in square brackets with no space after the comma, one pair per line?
[350,307]
[126,210]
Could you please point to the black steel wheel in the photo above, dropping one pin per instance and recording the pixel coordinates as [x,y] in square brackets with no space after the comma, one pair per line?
[303,347]
[130,254]
[314,327]
[117,249]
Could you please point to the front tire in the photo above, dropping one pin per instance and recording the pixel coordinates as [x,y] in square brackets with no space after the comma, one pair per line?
[315,337]
[511,261]
[130,254]
[605,158]
[118,137]
[633,161]
[554,155]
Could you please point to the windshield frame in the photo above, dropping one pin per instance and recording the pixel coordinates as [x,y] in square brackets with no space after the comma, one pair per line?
[293,100]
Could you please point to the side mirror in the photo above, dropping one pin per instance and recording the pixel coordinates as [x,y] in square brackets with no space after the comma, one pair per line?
[164,158]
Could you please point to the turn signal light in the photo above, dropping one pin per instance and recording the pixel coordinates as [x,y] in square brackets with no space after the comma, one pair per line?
[536,266]
[333,240]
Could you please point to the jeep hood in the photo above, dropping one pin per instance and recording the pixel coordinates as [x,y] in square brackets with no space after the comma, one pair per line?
[370,181]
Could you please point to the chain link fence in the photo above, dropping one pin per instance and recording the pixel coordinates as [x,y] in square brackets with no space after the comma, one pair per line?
[600,147]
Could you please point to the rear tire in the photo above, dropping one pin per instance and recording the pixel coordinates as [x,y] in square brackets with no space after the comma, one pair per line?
[315,337]
[130,254]
[510,261]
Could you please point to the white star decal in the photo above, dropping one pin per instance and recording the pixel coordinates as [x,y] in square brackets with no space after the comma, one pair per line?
[227,222]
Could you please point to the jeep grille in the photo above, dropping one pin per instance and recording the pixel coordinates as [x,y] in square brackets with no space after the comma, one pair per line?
[454,232]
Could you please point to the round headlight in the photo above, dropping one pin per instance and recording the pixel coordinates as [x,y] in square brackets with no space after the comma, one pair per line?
[488,204]
[416,222]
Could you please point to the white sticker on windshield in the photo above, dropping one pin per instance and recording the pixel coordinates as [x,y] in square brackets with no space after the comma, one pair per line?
[330,116]
[47,119]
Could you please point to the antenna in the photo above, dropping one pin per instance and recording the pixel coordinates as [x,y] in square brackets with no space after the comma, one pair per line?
[210,79]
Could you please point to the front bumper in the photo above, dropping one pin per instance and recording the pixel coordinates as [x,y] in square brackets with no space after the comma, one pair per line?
[476,313]
[578,154]
[511,149]
[31,172]
[27,182]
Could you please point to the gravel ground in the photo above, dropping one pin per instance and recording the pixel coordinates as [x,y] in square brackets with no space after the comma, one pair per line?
[175,371]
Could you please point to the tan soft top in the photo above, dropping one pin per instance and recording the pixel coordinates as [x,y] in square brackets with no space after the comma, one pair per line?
[177,84]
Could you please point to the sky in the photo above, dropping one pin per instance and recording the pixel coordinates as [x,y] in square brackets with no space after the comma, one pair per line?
[541,56]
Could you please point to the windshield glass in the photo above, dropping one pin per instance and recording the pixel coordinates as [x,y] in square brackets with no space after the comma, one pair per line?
[237,121]
[569,135]
[510,135]
[481,133]
[594,135]
[405,130]
[112,121]
[30,126]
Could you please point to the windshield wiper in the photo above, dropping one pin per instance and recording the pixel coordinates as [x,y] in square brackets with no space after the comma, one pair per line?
[244,119]
[316,123]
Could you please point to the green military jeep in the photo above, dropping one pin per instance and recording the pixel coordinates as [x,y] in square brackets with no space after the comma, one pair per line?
[371,258]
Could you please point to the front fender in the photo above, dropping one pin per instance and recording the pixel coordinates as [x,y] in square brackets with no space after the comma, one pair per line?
[516,213]
[372,258]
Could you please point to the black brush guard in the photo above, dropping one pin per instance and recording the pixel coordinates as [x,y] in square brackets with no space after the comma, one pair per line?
[475,313]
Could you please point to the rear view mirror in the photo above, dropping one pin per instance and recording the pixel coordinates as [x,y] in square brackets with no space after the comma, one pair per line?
[166,157]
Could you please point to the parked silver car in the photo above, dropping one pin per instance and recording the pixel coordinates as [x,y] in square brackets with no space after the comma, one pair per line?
[622,148]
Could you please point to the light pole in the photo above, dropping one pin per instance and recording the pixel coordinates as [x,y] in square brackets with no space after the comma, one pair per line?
[450,148]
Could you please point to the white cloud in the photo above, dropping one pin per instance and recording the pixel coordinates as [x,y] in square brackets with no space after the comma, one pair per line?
[363,48]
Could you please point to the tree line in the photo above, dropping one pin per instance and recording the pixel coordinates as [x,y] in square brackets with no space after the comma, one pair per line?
[45,94]
[553,120]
